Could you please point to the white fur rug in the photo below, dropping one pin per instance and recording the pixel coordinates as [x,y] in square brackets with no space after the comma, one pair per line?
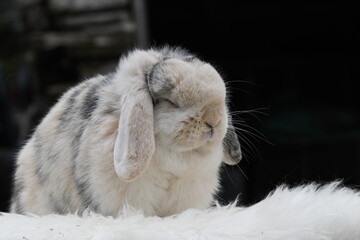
[309,212]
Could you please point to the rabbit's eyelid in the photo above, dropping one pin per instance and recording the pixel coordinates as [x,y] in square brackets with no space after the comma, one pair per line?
[166,100]
[170,102]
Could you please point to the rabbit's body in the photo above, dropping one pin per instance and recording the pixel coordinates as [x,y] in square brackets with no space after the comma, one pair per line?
[68,164]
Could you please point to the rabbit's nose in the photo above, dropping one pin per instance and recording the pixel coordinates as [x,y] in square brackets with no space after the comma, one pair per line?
[210,130]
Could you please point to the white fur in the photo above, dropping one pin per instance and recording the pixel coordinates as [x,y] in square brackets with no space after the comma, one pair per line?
[303,213]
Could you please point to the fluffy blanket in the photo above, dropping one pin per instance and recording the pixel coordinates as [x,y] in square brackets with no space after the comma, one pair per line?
[307,212]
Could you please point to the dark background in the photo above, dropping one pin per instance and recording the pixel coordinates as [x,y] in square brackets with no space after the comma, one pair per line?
[293,71]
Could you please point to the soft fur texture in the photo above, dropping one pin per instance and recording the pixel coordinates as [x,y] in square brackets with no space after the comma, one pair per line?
[307,213]
[152,135]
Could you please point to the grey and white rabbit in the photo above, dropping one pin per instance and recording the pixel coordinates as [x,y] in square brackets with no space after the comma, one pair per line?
[151,135]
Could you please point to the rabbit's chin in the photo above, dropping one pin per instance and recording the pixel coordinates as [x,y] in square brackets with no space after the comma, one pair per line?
[181,148]
[191,147]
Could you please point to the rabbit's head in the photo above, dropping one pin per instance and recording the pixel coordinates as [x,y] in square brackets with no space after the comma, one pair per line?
[183,108]
[189,104]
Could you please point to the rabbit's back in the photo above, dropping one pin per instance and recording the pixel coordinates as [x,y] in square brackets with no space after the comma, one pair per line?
[51,170]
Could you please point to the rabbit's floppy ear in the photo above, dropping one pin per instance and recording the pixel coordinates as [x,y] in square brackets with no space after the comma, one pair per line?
[232,149]
[135,142]
[159,85]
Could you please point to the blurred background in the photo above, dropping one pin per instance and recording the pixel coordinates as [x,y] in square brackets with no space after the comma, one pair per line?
[293,71]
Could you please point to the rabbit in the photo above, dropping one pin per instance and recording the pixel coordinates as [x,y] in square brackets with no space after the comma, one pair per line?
[151,135]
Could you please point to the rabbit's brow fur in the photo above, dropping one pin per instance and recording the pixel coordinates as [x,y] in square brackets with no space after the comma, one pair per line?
[67,165]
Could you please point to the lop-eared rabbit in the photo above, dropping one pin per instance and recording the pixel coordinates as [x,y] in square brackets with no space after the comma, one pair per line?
[151,135]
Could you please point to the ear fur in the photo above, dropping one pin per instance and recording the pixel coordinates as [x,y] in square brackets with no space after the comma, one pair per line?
[135,142]
[159,86]
[231,144]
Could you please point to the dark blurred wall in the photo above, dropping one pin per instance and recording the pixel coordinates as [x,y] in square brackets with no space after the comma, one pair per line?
[298,63]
